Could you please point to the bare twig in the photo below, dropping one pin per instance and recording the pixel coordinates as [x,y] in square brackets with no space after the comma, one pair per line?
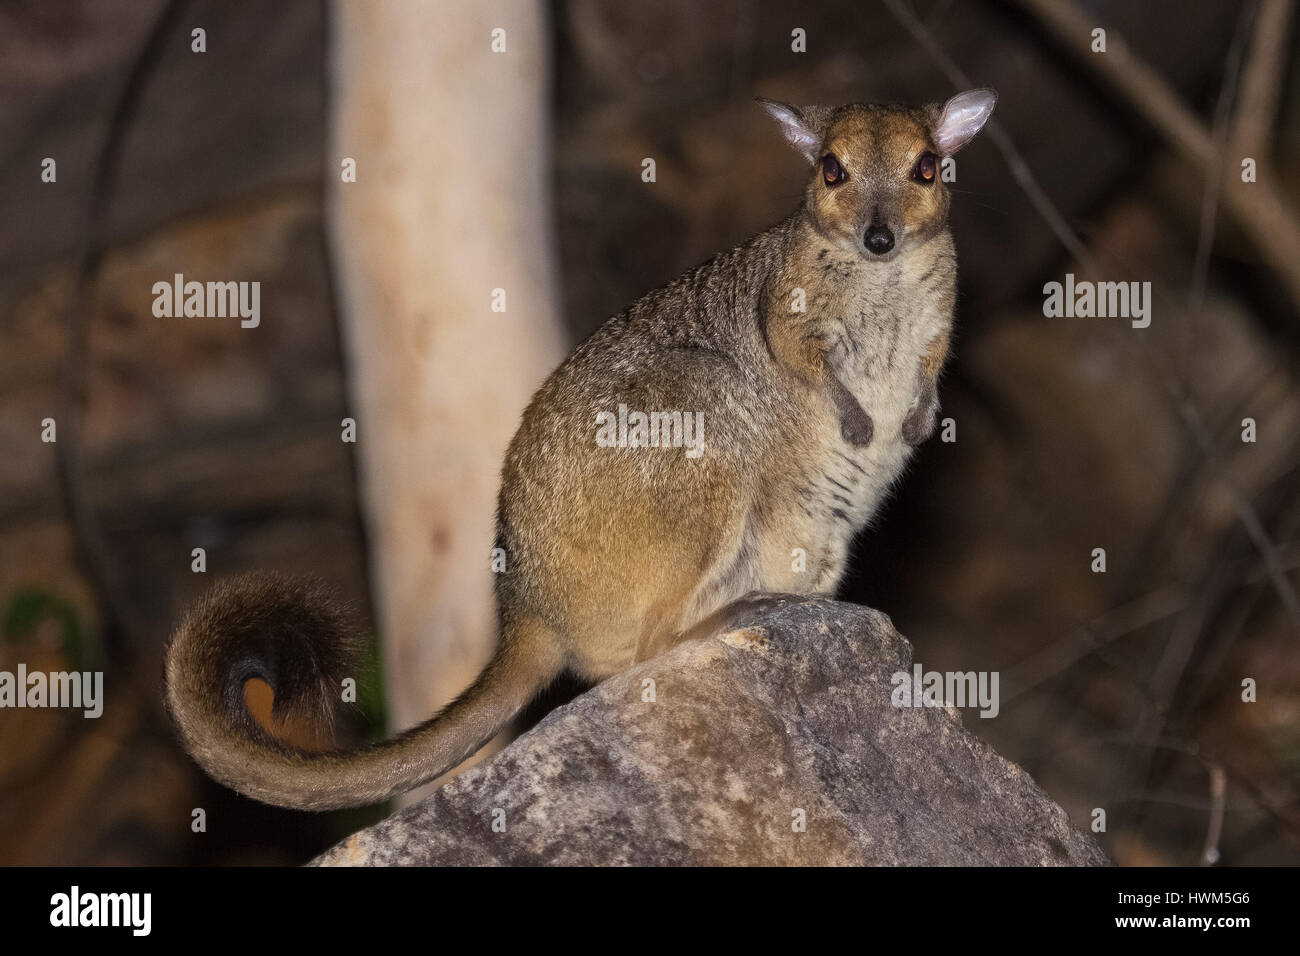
[1214,180]
[1218,804]
[1261,83]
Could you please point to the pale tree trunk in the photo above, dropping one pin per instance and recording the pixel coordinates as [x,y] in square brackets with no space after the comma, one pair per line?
[451,202]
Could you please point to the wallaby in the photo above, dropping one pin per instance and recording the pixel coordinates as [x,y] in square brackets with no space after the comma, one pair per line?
[776,392]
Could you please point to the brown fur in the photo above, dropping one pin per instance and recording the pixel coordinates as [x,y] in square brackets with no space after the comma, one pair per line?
[613,554]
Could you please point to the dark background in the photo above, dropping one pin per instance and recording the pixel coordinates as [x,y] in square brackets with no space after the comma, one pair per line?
[1120,689]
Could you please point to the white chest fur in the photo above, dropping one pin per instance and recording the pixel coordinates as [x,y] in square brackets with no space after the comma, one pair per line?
[882,323]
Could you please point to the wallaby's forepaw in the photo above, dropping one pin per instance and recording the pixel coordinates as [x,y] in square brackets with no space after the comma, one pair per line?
[856,426]
[920,422]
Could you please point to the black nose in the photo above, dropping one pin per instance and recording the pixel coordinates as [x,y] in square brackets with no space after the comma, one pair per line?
[880,240]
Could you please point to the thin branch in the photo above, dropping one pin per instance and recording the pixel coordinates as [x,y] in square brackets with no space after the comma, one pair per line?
[1218,805]
[1261,84]
[1214,179]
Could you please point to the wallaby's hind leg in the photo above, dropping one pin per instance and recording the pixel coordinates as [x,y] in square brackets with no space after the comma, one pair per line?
[731,572]
[726,618]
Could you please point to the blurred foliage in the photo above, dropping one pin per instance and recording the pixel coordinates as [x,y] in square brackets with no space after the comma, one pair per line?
[33,605]
[370,691]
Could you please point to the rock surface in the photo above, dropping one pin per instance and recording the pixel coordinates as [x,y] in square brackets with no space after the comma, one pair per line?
[789,710]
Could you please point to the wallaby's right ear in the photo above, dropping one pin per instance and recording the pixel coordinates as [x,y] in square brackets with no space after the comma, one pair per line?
[803,126]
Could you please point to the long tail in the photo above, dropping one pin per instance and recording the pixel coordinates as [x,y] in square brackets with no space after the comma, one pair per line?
[293,636]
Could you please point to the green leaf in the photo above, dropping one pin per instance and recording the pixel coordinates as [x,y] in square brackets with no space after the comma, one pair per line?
[30,606]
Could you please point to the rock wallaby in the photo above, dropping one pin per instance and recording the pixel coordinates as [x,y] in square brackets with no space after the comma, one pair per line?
[728,433]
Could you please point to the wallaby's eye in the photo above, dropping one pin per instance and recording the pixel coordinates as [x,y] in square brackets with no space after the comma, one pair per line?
[926,166]
[832,172]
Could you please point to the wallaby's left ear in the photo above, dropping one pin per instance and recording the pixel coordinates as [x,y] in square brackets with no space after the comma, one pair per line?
[961,118]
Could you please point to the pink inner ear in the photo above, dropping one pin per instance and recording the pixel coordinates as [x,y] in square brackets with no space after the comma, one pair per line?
[795,130]
[963,116]
[801,138]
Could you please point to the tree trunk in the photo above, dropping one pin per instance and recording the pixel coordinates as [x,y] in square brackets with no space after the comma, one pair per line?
[451,201]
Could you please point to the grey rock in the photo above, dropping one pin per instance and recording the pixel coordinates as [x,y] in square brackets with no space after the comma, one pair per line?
[789,709]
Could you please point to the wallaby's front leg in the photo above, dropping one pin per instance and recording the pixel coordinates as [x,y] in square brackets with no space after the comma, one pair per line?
[920,421]
[856,426]
[804,350]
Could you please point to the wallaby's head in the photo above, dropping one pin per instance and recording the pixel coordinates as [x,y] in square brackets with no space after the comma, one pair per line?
[877,182]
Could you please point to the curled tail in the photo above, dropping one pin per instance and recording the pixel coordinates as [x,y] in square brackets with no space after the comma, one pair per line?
[295,637]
